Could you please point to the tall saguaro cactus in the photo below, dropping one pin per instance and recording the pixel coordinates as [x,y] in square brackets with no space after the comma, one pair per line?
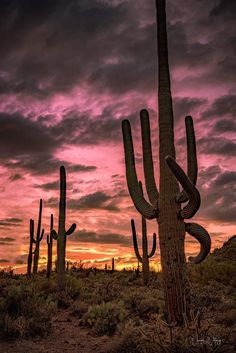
[31,252]
[165,205]
[61,235]
[144,259]
[50,244]
[39,237]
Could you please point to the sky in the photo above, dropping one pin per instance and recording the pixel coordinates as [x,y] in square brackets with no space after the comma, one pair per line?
[70,71]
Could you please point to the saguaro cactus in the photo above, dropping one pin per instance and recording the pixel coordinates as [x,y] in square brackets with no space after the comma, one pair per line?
[39,237]
[145,258]
[61,235]
[166,205]
[50,244]
[112,264]
[31,252]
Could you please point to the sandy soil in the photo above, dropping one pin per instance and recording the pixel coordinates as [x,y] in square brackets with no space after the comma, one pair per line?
[67,336]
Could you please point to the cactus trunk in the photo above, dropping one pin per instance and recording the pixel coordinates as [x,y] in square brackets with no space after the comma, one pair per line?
[38,239]
[145,260]
[61,235]
[30,255]
[61,240]
[171,229]
[50,245]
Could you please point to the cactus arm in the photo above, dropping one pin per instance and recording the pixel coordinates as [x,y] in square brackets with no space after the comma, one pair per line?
[192,157]
[33,252]
[39,219]
[32,231]
[54,234]
[193,195]
[152,191]
[135,242]
[71,229]
[199,233]
[154,245]
[42,234]
[143,207]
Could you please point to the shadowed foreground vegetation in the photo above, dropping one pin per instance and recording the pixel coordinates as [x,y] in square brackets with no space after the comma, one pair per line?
[117,306]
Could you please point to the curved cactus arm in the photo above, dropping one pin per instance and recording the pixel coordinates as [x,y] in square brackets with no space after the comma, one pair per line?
[151,187]
[71,229]
[192,157]
[193,195]
[32,231]
[143,207]
[154,246]
[54,234]
[199,233]
[135,241]
[42,234]
[33,252]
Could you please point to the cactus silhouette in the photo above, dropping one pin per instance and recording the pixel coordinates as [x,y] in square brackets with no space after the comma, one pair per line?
[31,252]
[112,264]
[50,245]
[39,236]
[165,205]
[145,258]
[61,235]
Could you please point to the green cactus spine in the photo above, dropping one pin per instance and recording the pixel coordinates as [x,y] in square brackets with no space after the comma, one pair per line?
[144,259]
[50,246]
[39,237]
[61,235]
[166,206]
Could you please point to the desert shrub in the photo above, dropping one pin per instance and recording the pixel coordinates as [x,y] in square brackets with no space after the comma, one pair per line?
[213,270]
[156,339]
[60,299]
[43,286]
[228,319]
[148,306]
[132,299]
[104,318]
[107,290]
[78,309]
[73,287]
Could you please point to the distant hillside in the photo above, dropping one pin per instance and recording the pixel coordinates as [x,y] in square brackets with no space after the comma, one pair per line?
[228,250]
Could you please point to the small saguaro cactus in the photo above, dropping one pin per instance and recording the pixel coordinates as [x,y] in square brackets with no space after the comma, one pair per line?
[61,235]
[112,264]
[50,245]
[144,259]
[165,204]
[39,237]
[31,252]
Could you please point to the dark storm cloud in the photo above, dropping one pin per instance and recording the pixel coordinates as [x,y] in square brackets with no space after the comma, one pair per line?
[55,42]
[222,126]
[217,145]
[218,194]
[15,177]
[10,222]
[30,145]
[225,9]
[97,200]
[52,38]
[5,241]
[221,107]
[184,106]
[85,236]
